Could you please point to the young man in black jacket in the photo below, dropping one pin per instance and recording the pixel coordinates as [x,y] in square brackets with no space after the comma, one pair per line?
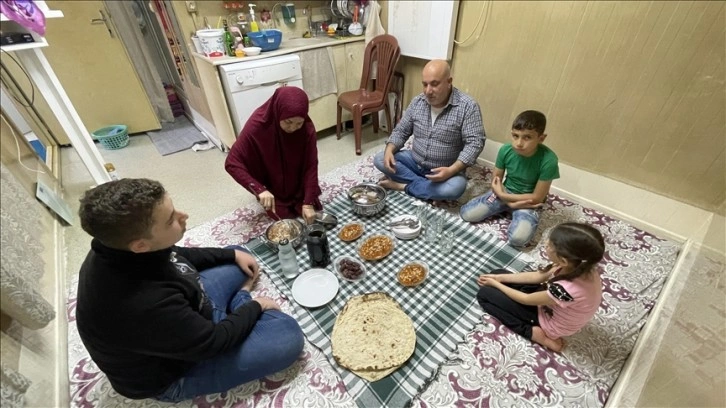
[167,322]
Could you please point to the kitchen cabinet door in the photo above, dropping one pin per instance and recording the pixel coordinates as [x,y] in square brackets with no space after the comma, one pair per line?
[341,73]
[355,54]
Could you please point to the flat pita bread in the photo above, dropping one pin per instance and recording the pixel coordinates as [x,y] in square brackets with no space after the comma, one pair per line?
[373,336]
[374,375]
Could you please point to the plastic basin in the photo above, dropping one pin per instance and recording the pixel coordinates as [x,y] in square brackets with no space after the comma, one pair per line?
[268,40]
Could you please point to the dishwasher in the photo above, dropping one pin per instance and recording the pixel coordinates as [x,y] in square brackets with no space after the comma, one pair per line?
[247,85]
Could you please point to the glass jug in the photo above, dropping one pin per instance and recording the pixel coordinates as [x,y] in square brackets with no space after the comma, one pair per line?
[318,248]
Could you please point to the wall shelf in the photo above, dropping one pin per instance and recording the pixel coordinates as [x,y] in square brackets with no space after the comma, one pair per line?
[8,25]
[38,68]
[48,14]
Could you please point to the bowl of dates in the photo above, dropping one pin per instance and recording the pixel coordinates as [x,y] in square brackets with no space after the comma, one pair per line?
[349,268]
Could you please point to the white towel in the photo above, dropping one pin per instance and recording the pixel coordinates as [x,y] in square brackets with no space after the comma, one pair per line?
[374,28]
[373,21]
[318,72]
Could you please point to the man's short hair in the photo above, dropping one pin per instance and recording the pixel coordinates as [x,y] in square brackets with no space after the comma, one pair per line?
[530,120]
[118,212]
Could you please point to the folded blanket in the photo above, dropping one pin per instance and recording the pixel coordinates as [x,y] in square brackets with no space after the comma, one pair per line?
[318,72]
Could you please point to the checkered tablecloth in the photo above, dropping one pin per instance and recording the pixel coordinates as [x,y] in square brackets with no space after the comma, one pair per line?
[443,308]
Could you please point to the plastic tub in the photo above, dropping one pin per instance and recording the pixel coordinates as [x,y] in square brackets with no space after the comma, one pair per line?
[252,51]
[212,42]
[112,137]
[197,44]
[268,40]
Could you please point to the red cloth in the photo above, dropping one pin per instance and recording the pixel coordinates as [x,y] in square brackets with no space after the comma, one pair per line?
[265,157]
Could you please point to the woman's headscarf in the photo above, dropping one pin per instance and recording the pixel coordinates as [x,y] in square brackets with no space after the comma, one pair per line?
[265,157]
[287,102]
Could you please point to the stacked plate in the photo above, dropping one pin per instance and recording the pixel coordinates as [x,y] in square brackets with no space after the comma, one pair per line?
[406,226]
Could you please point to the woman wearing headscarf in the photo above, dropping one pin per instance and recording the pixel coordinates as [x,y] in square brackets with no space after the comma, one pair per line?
[275,156]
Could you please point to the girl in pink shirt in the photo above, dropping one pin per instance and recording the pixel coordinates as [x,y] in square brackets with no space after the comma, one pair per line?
[555,302]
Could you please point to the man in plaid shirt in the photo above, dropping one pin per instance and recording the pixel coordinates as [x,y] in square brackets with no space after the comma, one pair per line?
[448,137]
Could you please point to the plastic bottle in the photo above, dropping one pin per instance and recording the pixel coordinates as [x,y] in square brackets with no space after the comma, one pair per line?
[288,260]
[253,24]
[228,39]
[111,171]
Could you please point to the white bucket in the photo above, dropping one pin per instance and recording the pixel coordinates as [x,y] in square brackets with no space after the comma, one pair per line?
[197,45]
[212,42]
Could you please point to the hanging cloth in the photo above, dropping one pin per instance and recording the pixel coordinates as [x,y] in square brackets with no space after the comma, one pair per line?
[373,21]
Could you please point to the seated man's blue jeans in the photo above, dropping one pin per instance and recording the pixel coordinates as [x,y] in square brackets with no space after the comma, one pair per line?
[274,344]
[524,221]
[408,172]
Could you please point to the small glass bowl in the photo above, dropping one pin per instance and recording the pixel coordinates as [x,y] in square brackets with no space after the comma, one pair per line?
[371,236]
[362,231]
[336,264]
[422,280]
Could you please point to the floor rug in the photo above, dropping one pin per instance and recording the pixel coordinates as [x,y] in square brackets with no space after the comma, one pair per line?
[491,366]
[177,136]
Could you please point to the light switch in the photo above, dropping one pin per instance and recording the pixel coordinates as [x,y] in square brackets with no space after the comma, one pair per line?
[191,6]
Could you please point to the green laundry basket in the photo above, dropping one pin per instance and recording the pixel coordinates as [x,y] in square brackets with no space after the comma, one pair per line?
[112,137]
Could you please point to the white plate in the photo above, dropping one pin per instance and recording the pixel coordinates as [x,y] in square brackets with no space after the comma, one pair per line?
[407,237]
[315,287]
[404,232]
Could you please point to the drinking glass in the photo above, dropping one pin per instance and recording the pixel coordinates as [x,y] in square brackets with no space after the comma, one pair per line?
[435,224]
[421,212]
[446,242]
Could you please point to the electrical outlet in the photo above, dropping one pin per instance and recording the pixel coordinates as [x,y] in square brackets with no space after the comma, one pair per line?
[191,6]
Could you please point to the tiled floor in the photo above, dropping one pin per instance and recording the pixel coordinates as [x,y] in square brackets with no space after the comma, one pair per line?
[688,369]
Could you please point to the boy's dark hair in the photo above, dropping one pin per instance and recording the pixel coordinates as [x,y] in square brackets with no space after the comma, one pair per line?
[119,212]
[530,120]
[581,244]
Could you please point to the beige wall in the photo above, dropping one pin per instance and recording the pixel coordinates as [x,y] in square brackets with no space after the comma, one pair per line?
[52,129]
[632,90]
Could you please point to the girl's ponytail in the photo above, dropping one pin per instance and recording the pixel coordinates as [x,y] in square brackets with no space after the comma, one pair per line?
[581,244]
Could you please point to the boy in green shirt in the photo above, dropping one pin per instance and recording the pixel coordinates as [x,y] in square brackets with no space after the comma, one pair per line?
[530,168]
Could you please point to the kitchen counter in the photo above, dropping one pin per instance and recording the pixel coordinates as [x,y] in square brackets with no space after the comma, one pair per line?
[286,47]
[347,53]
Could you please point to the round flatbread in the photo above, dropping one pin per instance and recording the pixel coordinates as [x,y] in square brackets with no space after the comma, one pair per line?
[373,333]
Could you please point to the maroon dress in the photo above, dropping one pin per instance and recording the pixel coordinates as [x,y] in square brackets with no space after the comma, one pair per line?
[266,158]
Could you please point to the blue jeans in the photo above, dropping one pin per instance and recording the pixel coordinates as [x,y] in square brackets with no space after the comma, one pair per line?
[408,172]
[524,221]
[274,344]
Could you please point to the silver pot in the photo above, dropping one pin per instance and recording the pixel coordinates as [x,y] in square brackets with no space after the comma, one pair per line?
[297,234]
[367,198]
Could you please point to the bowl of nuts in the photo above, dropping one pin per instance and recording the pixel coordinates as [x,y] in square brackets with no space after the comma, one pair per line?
[351,232]
[413,274]
[349,268]
[377,246]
